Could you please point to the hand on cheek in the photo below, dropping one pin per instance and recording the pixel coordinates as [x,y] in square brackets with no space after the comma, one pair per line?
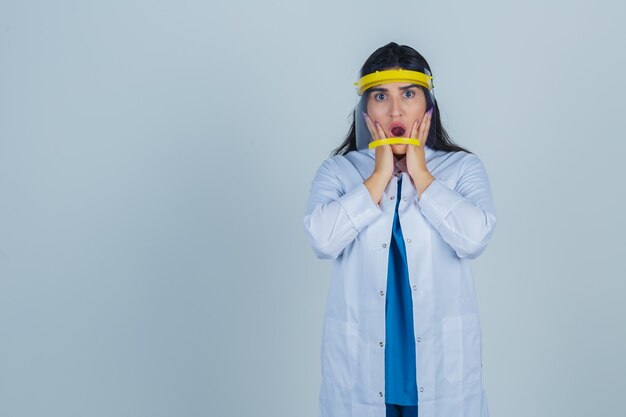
[415,157]
[416,160]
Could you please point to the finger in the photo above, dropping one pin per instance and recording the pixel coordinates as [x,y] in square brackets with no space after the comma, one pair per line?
[370,126]
[381,131]
[423,131]
[414,129]
[425,125]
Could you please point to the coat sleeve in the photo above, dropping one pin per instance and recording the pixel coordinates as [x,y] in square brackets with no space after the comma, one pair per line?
[333,217]
[466,216]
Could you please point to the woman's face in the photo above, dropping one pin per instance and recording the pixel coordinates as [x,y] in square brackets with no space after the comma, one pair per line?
[396,106]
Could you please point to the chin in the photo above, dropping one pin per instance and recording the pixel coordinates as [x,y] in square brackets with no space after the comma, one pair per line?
[399,149]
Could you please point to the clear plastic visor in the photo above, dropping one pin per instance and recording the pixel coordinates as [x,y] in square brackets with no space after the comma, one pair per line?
[391,106]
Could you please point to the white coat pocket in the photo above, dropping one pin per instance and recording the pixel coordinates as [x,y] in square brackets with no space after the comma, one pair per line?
[461,347]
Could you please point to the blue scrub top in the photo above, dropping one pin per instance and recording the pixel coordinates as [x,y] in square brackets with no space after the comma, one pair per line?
[400,367]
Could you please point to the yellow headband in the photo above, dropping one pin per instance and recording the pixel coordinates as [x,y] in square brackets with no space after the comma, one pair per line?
[393,76]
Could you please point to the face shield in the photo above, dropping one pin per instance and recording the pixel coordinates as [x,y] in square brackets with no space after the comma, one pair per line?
[395,98]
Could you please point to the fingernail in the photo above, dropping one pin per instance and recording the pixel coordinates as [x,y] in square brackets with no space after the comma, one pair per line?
[364,114]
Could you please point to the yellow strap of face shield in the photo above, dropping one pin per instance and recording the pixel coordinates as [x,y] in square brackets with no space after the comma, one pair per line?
[394,141]
[393,76]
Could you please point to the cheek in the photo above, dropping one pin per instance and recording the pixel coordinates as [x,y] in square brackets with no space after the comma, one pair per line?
[420,113]
[375,112]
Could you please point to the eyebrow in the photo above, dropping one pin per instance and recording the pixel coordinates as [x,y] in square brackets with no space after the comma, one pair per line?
[384,90]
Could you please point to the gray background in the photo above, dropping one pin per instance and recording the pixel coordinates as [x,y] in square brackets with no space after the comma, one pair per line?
[156,158]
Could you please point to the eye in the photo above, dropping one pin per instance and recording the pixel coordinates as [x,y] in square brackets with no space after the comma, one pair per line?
[410,92]
[378,95]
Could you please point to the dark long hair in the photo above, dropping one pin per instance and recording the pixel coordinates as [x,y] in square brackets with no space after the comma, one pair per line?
[393,55]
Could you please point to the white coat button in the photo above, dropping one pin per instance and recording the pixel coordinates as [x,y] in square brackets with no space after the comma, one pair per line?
[403,198]
[392,197]
[414,287]
[380,394]
[381,344]
[384,245]
[419,339]
[408,239]
[421,389]
[382,292]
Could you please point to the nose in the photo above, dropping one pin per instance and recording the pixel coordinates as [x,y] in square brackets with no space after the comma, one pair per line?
[395,107]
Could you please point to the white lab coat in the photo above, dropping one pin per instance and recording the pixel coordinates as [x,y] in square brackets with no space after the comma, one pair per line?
[450,224]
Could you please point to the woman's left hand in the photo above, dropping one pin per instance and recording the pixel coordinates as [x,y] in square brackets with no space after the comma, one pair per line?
[415,156]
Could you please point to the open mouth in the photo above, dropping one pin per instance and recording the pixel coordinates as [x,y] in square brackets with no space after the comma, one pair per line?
[397,131]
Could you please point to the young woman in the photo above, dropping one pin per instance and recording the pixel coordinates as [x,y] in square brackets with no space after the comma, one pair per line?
[401,211]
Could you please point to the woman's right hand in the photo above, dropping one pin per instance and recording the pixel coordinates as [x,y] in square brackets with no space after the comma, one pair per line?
[384,155]
[384,165]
